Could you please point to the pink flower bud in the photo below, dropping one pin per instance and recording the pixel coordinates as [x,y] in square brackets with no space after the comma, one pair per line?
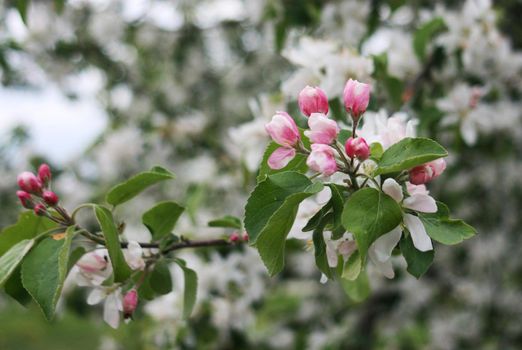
[245,236]
[92,263]
[130,302]
[426,172]
[357,148]
[322,130]
[25,199]
[283,130]
[50,198]
[356,98]
[312,100]
[40,209]
[44,174]
[322,159]
[281,157]
[28,182]
[234,237]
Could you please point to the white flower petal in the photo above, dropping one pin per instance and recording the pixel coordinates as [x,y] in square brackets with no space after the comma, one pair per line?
[382,248]
[420,238]
[96,296]
[324,279]
[421,202]
[111,314]
[385,268]
[393,189]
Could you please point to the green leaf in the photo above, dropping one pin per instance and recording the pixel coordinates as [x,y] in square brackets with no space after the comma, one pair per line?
[344,135]
[135,185]
[418,262]
[409,153]
[227,221]
[358,289]
[368,214]
[121,270]
[161,219]
[191,286]
[160,278]
[59,5]
[321,260]
[44,271]
[425,34]
[352,267]
[445,230]
[22,6]
[376,151]
[297,164]
[14,288]
[28,226]
[270,213]
[337,201]
[10,260]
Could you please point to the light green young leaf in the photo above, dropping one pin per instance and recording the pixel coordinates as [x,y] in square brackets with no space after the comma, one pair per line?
[359,289]
[135,185]
[352,267]
[191,287]
[368,214]
[409,153]
[227,221]
[418,262]
[270,213]
[161,219]
[10,260]
[44,271]
[445,230]
[121,270]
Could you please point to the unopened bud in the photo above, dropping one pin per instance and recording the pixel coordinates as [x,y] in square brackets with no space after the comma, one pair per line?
[322,159]
[28,182]
[245,236]
[312,100]
[25,199]
[40,209]
[356,97]
[50,198]
[44,174]
[234,237]
[283,130]
[357,148]
[130,302]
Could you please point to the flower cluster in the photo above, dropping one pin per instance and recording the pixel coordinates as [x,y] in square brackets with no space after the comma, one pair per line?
[35,191]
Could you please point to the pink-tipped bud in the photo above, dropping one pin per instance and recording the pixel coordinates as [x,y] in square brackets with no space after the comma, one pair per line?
[92,263]
[40,209]
[50,198]
[322,159]
[234,237]
[130,302]
[322,130]
[245,236]
[356,97]
[357,148]
[44,174]
[312,100]
[426,172]
[28,182]
[26,199]
[283,130]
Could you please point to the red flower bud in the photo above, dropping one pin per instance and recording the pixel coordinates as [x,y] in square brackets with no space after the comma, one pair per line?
[44,174]
[28,182]
[357,148]
[130,302]
[50,198]
[234,237]
[245,236]
[40,209]
[25,199]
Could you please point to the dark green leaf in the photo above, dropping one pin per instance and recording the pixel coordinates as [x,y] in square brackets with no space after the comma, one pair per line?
[409,153]
[321,260]
[44,271]
[191,287]
[418,262]
[14,288]
[227,221]
[22,6]
[136,184]
[445,230]
[27,227]
[343,136]
[121,270]
[160,278]
[161,219]
[270,213]
[368,214]
[425,34]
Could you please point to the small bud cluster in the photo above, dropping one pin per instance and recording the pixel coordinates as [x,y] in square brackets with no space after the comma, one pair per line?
[322,131]
[35,192]
[236,237]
